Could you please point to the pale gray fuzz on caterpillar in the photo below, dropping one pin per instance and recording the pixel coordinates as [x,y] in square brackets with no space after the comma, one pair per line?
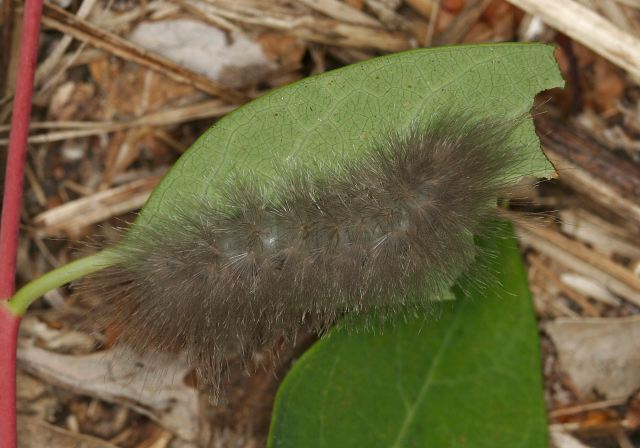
[234,275]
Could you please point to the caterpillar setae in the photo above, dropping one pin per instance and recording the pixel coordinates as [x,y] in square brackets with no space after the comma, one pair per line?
[312,245]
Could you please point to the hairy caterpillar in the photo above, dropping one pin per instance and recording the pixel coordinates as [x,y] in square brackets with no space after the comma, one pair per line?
[312,245]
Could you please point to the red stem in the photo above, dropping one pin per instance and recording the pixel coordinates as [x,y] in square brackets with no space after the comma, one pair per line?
[8,338]
[10,225]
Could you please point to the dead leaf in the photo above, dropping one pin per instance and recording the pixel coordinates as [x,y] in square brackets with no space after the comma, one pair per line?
[131,90]
[150,386]
[72,101]
[283,49]
[600,356]
[206,50]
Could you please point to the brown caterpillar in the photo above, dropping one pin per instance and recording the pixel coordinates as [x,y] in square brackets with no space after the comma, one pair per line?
[237,274]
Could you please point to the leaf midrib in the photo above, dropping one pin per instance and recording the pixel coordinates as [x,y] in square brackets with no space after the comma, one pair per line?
[428,381]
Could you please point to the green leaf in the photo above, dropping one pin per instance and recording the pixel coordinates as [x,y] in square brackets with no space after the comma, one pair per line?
[336,115]
[470,377]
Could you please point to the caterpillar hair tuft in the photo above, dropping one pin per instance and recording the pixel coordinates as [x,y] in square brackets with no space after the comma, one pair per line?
[311,245]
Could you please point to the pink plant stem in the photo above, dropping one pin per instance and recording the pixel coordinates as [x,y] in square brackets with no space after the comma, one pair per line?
[8,338]
[10,225]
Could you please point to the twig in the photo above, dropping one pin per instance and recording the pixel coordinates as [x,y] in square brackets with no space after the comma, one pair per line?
[581,259]
[75,129]
[59,50]
[462,23]
[553,277]
[577,409]
[5,43]
[71,217]
[304,26]
[591,169]
[61,20]
[341,11]
[589,28]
